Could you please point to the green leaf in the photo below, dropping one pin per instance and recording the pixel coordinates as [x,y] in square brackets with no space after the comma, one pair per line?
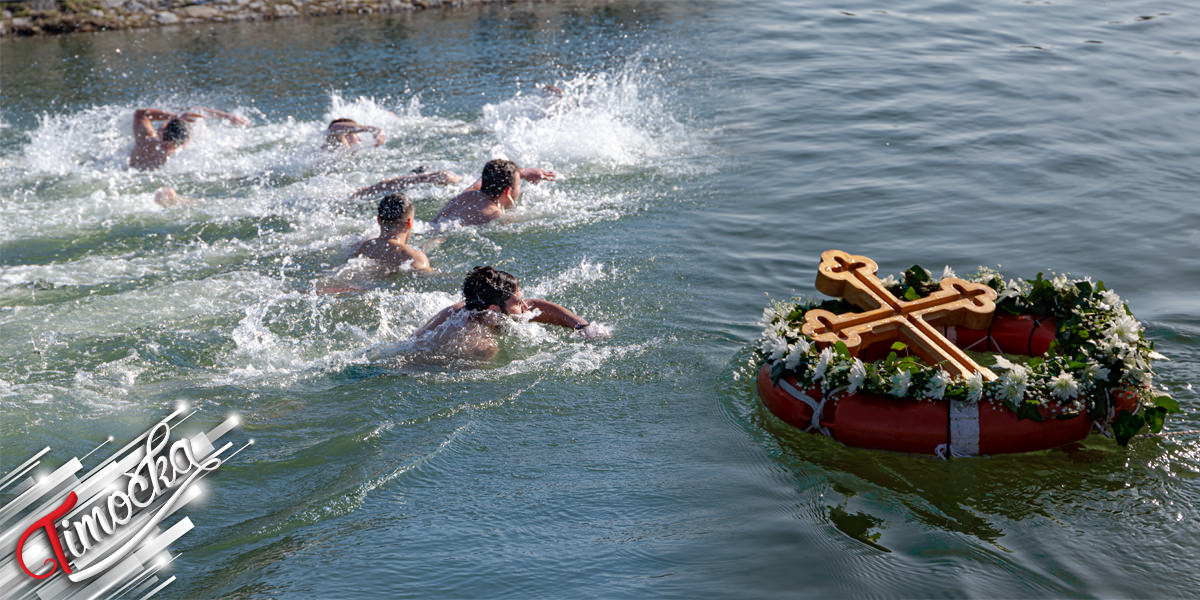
[776,372]
[1126,425]
[1167,403]
[899,346]
[911,294]
[1029,411]
[840,349]
[1154,418]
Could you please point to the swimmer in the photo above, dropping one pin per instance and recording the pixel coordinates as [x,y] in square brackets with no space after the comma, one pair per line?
[496,190]
[391,248]
[166,197]
[469,328]
[416,177]
[152,147]
[343,133]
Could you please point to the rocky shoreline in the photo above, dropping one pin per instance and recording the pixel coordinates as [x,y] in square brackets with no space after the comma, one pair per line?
[41,17]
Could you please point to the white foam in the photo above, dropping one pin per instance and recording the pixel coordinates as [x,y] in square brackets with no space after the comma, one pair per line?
[71,180]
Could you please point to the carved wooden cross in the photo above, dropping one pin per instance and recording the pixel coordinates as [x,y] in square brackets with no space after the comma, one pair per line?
[853,278]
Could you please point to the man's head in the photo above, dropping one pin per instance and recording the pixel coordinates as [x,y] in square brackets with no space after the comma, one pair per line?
[341,132]
[176,131]
[498,176]
[485,287]
[395,212]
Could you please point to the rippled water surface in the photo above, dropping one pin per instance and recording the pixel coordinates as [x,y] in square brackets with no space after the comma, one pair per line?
[711,152]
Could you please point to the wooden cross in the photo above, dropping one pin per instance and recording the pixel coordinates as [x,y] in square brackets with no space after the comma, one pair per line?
[853,278]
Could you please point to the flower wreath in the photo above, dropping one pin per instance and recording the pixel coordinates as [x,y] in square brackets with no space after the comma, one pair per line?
[1099,348]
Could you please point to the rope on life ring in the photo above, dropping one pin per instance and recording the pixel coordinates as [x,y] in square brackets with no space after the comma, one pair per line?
[987,338]
[1029,344]
[817,407]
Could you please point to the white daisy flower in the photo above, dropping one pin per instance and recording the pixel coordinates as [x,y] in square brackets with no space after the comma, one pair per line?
[974,387]
[937,385]
[822,364]
[1125,328]
[1013,384]
[775,347]
[768,316]
[1064,387]
[900,383]
[858,373]
[795,354]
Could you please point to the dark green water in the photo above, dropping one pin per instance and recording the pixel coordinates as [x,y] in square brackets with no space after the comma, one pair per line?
[716,150]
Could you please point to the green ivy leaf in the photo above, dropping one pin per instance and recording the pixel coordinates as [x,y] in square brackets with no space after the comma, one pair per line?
[1154,418]
[1166,402]
[1126,425]
[1100,403]
[911,294]
[1029,411]
[899,346]
[840,349]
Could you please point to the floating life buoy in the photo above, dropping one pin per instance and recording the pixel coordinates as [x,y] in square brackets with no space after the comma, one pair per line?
[891,367]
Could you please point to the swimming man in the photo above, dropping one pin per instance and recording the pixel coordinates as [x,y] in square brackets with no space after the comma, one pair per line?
[152,147]
[391,248]
[495,191]
[343,133]
[469,328]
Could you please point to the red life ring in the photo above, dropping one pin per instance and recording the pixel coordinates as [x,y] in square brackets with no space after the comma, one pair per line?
[870,421]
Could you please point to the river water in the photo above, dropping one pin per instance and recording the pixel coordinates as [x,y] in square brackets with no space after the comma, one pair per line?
[710,153]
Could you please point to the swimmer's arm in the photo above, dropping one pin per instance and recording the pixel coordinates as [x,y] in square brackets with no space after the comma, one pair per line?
[534,175]
[439,318]
[143,122]
[529,174]
[420,263]
[403,181]
[339,129]
[203,111]
[555,314]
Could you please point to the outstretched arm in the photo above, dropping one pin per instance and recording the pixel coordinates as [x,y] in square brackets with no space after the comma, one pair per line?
[143,121]
[204,111]
[530,174]
[398,183]
[555,314]
[339,129]
[534,175]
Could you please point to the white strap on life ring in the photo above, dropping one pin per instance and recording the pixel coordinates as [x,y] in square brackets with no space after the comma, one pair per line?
[817,407]
[964,428]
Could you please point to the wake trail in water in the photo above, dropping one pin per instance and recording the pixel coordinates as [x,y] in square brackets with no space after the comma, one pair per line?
[266,219]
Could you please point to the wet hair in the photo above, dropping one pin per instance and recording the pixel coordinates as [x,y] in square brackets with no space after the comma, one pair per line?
[342,120]
[394,207]
[498,175]
[486,286]
[176,131]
